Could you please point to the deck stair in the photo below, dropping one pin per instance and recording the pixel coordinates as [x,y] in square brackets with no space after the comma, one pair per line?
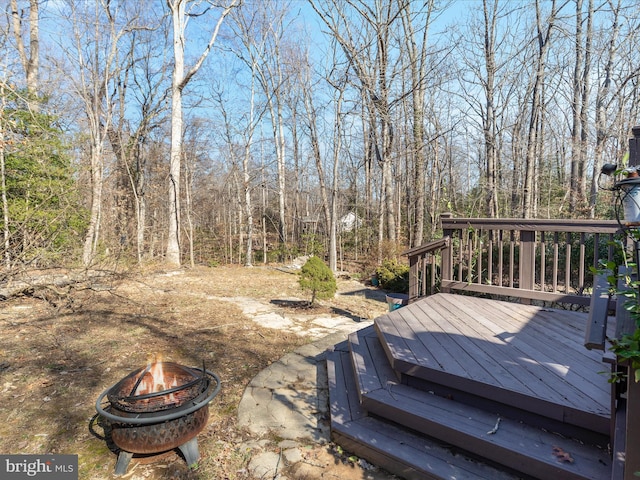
[396,405]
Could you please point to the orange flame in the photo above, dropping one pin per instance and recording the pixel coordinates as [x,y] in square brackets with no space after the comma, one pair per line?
[154,380]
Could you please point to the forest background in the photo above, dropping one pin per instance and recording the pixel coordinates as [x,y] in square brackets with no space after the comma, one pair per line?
[245,132]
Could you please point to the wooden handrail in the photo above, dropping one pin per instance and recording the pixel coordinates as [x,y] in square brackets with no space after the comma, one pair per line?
[427,247]
[423,266]
[535,225]
[531,259]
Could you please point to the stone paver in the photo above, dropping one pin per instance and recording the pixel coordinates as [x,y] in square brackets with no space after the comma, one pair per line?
[289,400]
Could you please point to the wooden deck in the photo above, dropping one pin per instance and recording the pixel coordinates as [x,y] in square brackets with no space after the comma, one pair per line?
[451,369]
[522,354]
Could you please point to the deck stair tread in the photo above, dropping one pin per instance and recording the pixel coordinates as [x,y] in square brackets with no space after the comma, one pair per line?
[412,456]
[515,445]
[503,351]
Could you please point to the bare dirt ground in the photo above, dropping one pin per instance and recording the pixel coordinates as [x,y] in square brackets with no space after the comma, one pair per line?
[57,357]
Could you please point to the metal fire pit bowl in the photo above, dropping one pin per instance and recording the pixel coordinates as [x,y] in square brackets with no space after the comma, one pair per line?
[158,422]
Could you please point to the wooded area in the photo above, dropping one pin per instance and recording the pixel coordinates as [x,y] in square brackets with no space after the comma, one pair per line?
[208,132]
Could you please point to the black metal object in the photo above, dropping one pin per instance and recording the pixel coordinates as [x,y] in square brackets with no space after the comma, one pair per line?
[634,147]
[158,422]
[192,382]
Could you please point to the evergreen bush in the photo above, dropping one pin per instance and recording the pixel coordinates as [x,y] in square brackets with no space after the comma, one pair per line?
[44,218]
[393,276]
[316,277]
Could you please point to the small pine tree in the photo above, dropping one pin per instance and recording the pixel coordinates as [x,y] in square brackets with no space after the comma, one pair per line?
[316,277]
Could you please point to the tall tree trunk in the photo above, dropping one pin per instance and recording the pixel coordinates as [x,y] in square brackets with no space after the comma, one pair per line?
[246,176]
[584,108]
[518,155]
[544,37]
[576,161]
[179,81]
[602,98]
[188,187]
[30,60]
[282,174]
[368,164]
[417,67]
[178,11]
[317,156]
[489,120]
[93,86]
[333,241]
[97,173]
[6,233]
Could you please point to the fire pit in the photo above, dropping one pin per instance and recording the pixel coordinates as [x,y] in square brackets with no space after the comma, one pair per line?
[158,408]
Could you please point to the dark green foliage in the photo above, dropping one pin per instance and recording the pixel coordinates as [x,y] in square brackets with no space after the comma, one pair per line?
[46,222]
[393,276]
[316,277]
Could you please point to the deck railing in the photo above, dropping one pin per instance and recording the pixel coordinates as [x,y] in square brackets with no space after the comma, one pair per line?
[424,267]
[529,259]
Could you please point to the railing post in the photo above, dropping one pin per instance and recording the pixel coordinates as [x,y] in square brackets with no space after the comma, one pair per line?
[446,255]
[527,259]
[632,454]
[414,275]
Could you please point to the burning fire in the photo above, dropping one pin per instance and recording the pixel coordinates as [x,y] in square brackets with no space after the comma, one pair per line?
[154,380]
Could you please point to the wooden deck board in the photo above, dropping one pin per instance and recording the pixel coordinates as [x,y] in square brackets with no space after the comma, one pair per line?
[566,325]
[553,355]
[345,405]
[511,349]
[367,380]
[563,354]
[408,347]
[497,362]
[452,354]
[558,355]
[384,372]
[563,326]
[493,365]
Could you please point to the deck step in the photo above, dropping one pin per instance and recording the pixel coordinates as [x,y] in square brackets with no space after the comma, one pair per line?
[517,446]
[389,446]
[373,371]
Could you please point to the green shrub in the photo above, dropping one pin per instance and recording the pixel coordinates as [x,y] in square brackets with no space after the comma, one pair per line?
[316,277]
[393,276]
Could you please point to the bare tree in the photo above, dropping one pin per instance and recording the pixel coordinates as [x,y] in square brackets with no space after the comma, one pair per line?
[364,31]
[605,118]
[4,141]
[490,126]
[29,56]
[239,136]
[337,79]
[261,32]
[180,79]
[544,28]
[491,81]
[95,54]
[130,135]
[417,53]
[580,105]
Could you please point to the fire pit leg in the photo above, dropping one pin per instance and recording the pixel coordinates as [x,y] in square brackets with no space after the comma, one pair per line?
[190,452]
[123,462]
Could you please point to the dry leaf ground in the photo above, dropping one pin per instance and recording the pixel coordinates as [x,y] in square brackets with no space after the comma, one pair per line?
[55,360]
